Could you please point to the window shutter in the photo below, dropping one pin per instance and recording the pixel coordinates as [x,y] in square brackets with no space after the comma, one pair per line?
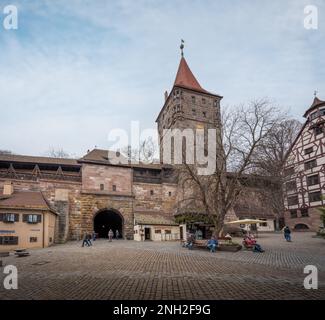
[25,217]
[39,218]
[16,217]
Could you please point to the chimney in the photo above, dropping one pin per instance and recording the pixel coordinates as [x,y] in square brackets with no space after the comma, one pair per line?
[166,95]
[8,188]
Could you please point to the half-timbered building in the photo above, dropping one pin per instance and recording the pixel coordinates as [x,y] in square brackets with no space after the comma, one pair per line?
[305,172]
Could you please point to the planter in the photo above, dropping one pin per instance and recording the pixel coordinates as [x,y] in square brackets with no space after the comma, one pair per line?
[230,248]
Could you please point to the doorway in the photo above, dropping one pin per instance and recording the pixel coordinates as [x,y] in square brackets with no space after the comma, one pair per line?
[108,219]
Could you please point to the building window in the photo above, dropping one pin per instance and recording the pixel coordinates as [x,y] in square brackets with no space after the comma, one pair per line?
[322,112]
[289,171]
[168,231]
[263,224]
[315,196]
[194,111]
[310,164]
[32,218]
[309,150]
[203,101]
[313,115]
[169,194]
[193,99]
[114,187]
[157,231]
[291,186]
[204,114]
[216,103]
[9,217]
[101,187]
[293,200]
[151,192]
[8,240]
[33,239]
[313,180]
[318,130]
[304,212]
[293,214]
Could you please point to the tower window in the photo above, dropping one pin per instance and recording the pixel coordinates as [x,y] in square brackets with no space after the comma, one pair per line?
[310,164]
[169,194]
[101,187]
[194,111]
[315,196]
[151,192]
[313,115]
[203,101]
[309,150]
[318,130]
[204,114]
[114,187]
[313,180]
[193,99]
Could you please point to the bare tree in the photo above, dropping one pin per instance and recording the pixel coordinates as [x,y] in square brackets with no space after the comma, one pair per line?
[270,160]
[57,153]
[244,131]
[5,152]
[145,153]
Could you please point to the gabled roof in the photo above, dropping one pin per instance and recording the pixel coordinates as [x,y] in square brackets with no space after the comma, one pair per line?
[33,200]
[316,103]
[185,78]
[101,156]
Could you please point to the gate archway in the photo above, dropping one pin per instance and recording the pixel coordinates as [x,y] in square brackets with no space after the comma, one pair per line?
[107,219]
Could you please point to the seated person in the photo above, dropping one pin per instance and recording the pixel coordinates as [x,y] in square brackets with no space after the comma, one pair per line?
[212,244]
[257,248]
[249,241]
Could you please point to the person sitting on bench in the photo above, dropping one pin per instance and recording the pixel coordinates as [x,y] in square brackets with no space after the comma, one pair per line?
[212,244]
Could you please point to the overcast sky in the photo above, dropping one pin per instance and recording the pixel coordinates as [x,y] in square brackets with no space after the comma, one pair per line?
[74,70]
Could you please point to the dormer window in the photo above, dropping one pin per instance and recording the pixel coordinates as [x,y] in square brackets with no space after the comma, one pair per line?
[322,112]
[314,115]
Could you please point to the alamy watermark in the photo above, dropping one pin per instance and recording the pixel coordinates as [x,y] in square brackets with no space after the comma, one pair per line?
[10,281]
[311,281]
[178,146]
[10,17]
[311,17]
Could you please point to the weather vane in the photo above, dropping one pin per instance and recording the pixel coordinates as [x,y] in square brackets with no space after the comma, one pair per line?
[182,47]
[315,93]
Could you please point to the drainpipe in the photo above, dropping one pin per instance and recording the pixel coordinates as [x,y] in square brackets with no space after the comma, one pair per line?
[43,216]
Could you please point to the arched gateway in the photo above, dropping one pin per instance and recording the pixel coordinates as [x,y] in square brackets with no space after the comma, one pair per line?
[107,219]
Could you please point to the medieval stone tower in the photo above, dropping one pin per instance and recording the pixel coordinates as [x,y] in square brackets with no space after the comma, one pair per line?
[188,105]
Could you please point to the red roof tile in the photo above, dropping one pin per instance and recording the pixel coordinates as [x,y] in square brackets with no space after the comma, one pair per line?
[25,199]
[185,77]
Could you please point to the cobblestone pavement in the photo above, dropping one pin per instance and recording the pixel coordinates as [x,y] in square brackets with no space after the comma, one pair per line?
[151,270]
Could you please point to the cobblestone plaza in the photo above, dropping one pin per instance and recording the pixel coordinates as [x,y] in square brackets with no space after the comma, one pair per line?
[149,270]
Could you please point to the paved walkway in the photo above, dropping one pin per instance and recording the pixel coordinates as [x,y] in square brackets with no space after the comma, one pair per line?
[151,270]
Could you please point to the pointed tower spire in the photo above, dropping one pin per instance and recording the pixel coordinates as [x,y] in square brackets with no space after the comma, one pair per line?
[185,78]
[182,47]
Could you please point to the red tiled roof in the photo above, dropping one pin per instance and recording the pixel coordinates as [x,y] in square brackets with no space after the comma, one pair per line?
[25,199]
[185,78]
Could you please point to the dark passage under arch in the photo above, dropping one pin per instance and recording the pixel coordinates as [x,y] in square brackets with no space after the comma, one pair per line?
[106,220]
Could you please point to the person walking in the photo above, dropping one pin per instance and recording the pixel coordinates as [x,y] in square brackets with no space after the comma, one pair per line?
[117,234]
[94,236]
[110,235]
[287,233]
[85,240]
[89,239]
